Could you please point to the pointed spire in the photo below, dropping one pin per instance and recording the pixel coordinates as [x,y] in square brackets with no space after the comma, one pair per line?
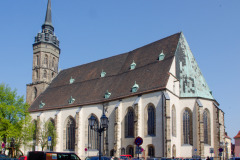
[48,18]
[47,35]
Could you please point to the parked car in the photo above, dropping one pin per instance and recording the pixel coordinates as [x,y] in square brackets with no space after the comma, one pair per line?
[3,156]
[39,155]
[153,158]
[126,157]
[23,158]
[235,158]
[140,158]
[97,158]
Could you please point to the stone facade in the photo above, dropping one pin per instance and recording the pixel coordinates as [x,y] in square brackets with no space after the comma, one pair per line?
[162,143]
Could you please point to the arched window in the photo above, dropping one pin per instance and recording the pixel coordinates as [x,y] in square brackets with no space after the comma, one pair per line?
[45,60]
[151,151]
[36,72]
[93,136]
[37,60]
[206,126]
[52,132]
[44,74]
[35,92]
[187,127]
[112,153]
[173,121]
[151,122]
[129,123]
[130,150]
[53,62]
[174,150]
[122,151]
[70,134]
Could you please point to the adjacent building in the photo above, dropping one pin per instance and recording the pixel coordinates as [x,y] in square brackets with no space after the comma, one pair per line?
[237,145]
[156,92]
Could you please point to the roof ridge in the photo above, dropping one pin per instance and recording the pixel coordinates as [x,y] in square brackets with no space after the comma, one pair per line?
[123,53]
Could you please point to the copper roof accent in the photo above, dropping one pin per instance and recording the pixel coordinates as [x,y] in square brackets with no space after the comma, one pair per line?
[237,136]
[89,87]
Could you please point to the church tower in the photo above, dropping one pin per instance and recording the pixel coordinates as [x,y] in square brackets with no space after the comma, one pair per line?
[46,54]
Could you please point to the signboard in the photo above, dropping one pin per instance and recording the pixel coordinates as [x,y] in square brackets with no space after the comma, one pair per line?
[195,149]
[3,145]
[220,150]
[211,150]
[85,149]
[51,156]
[138,150]
[138,141]
[49,141]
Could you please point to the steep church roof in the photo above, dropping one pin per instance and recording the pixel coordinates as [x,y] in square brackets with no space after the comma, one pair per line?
[114,78]
[88,87]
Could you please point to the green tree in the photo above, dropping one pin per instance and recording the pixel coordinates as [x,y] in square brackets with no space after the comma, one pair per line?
[44,130]
[15,120]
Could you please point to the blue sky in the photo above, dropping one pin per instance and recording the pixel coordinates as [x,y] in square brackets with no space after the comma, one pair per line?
[93,29]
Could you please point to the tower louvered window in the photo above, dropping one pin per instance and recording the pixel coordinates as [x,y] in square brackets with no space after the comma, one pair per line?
[35,92]
[53,62]
[46,60]
[37,60]
[129,123]
[45,74]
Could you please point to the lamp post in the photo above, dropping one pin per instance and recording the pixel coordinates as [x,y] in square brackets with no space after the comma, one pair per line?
[102,127]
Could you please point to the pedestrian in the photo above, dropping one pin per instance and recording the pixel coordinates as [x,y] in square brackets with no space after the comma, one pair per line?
[208,158]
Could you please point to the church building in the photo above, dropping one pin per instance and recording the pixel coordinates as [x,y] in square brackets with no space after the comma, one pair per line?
[156,92]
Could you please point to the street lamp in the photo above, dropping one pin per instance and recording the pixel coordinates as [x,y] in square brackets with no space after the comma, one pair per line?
[102,127]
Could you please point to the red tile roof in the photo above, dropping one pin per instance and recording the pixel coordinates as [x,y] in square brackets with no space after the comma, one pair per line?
[89,88]
[237,136]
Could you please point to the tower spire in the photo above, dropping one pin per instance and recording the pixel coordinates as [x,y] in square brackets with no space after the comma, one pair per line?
[47,35]
[48,18]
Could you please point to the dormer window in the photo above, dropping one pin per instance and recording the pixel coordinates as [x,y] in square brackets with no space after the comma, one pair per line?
[135,87]
[71,80]
[103,74]
[71,100]
[41,105]
[107,95]
[161,56]
[133,65]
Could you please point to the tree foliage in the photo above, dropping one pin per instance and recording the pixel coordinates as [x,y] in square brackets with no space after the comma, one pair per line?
[15,120]
[44,130]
